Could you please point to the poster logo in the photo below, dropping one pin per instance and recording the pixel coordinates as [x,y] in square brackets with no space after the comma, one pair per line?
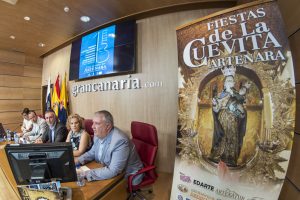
[229,194]
[200,196]
[182,188]
[185,178]
[204,185]
[180,197]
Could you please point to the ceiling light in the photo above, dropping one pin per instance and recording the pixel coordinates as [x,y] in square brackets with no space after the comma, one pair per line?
[66,9]
[41,44]
[13,2]
[12,37]
[85,18]
[27,18]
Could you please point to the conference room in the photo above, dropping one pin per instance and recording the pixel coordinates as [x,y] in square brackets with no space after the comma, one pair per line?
[157,100]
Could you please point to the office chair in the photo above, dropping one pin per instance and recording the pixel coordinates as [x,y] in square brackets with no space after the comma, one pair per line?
[144,137]
[87,125]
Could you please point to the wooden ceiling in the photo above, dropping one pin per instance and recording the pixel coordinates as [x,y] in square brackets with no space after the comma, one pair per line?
[51,25]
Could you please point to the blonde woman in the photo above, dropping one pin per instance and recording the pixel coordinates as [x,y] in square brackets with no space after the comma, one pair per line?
[80,139]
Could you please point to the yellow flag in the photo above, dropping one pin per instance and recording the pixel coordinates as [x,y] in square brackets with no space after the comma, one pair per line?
[63,93]
[63,109]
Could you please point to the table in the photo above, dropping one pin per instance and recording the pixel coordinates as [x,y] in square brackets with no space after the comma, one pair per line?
[114,188]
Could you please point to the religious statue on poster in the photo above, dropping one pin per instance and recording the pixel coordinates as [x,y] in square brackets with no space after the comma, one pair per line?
[230,119]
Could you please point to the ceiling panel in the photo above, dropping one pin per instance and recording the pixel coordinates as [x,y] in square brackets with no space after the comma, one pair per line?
[49,23]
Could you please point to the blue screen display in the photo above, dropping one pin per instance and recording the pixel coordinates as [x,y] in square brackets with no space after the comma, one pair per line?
[97,53]
[106,52]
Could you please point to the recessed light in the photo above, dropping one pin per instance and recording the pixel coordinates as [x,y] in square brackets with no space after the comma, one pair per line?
[41,44]
[12,37]
[66,9]
[85,18]
[26,18]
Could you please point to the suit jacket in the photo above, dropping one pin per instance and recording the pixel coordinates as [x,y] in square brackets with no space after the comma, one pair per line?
[60,133]
[119,155]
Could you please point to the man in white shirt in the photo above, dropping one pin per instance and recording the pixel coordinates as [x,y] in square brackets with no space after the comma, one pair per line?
[27,124]
[39,127]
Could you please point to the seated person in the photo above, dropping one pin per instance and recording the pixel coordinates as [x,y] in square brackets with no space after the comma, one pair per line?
[113,149]
[80,139]
[27,124]
[39,127]
[56,132]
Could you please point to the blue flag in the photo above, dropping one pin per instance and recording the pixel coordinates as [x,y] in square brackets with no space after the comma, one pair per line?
[48,96]
[63,102]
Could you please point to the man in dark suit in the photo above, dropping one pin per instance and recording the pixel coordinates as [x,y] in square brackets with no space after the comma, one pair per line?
[56,132]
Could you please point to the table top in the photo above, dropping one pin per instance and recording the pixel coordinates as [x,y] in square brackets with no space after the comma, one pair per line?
[91,190]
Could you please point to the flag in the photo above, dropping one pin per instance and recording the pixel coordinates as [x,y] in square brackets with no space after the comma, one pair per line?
[55,96]
[63,106]
[48,95]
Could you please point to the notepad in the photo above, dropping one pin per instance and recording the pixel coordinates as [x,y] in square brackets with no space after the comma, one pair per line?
[84,168]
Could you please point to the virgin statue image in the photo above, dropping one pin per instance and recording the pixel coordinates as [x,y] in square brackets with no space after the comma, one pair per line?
[230,118]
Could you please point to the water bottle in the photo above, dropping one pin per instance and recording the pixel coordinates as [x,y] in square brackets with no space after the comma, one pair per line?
[16,138]
[12,136]
[80,176]
[8,136]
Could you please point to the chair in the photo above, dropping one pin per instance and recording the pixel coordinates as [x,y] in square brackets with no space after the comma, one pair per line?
[87,125]
[41,116]
[144,137]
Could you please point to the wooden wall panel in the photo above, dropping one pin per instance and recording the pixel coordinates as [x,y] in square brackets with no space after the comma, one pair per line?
[19,105]
[13,117]
[19,93]
[11,69]
[20,86]
[293,172]
[289,192]
[12,57]
[34,61]
[291,15]
[290,12]
[297,121]
[156,62]
[33,71]
[29,93]
[20,70]
[294,41]
[10,117]
[20,82]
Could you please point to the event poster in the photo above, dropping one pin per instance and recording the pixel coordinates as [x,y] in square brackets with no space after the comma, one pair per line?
[236,105]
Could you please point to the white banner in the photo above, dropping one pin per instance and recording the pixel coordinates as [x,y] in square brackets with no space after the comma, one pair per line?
[236,105]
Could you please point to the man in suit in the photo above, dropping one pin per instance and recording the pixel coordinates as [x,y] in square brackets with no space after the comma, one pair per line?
[56,132]
[113,149]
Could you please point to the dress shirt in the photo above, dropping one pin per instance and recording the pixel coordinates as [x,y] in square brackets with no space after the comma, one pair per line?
[118,154]
[52,133]
[103,145]
[38,129]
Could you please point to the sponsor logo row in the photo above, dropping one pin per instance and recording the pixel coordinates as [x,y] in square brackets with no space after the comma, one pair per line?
[197,195]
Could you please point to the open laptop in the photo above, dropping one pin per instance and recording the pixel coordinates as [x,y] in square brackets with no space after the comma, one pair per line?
[2,131]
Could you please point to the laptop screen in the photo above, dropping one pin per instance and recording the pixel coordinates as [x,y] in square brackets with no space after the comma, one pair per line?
[2,131]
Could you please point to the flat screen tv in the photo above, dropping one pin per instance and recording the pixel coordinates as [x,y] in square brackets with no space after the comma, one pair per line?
[105,52]
[38,163]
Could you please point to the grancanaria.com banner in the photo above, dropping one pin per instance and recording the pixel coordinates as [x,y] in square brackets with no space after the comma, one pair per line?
[236,105]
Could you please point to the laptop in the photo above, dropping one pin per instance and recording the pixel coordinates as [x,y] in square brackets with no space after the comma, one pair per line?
[2,131]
